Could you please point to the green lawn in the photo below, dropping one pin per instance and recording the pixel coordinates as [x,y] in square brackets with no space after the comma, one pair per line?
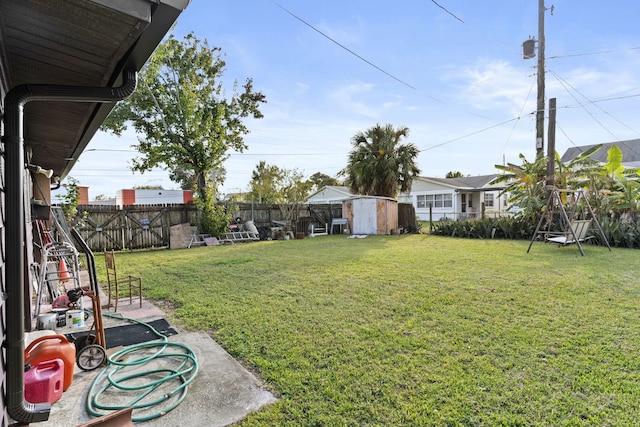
[416,330]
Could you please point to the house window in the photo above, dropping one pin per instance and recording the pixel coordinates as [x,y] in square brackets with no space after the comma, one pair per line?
[488,200]
[436,200]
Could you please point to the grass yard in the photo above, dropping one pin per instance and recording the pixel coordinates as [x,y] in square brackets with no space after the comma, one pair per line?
[416,330]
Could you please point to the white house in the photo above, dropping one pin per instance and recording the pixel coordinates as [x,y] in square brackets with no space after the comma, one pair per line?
[456,198]
[330,194]
[453,198]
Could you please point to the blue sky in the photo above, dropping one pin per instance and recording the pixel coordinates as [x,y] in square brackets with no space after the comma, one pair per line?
[456,78]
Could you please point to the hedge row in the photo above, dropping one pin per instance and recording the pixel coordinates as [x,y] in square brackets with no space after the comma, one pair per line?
[618,233]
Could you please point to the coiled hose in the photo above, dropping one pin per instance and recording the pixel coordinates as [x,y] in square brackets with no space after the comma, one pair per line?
[141,377]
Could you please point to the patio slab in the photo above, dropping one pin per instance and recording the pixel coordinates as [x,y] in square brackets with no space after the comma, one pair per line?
[222,393]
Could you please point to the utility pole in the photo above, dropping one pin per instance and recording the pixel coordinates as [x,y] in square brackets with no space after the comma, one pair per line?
[551,144]
[540,105]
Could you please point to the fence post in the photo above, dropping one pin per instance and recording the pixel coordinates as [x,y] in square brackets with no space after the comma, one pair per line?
[430,217]
[166,227]
[122,224]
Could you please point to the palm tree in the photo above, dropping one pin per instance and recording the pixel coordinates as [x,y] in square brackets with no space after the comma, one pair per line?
[379,165]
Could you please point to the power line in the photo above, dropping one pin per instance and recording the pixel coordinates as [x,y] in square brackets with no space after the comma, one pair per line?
[285,154]
[519,116]
[342,46]
[469,134]
[356,54]
[239,154]
[111,149]
[602,52]
[616,98]
[582,149]
[564,84]
[445,9]
[566,135]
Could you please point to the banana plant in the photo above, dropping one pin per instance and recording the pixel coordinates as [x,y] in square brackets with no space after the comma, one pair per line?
[525,184]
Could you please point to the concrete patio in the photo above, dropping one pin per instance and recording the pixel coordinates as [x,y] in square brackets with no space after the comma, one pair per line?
[223,392]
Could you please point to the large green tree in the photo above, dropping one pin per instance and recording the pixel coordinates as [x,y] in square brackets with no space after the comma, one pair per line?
[379,165]
[272,184]
[454,174]
[319,180]
[186,122]
[265,183]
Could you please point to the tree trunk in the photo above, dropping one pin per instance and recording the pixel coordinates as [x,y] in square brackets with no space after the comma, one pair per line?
[202,186]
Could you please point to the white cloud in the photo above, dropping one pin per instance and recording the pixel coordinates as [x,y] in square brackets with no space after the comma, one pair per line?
[495,85]
[350,98]
[301,88]
[347,34]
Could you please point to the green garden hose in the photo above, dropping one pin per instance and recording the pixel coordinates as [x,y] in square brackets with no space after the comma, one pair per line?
[125,377]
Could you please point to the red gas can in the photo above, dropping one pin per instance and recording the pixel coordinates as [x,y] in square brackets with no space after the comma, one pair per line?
[50,347]
[43,382]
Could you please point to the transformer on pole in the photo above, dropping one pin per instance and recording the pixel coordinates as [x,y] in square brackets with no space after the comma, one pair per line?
[528,52]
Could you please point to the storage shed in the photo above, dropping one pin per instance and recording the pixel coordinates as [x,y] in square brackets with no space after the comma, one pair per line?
[371,214]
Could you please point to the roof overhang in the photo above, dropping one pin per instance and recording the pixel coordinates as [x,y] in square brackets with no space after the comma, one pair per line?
[464,184]
[479,190]
[76,43]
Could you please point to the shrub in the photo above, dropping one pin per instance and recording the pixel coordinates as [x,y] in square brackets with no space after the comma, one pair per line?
[619,233]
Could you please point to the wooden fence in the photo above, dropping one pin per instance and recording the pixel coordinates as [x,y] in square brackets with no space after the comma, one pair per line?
[132,227]
[407,217]
[148,226]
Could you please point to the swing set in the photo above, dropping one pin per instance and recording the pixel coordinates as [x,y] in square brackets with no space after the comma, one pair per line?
[561,225]
[567,220]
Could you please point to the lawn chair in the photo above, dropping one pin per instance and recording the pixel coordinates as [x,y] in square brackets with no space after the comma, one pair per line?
[115,282]
[577,233]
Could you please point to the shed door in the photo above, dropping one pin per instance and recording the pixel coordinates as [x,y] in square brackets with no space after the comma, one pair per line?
[364,216]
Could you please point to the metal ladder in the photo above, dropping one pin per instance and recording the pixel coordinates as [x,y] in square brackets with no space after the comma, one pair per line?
[241,236]
[59,265]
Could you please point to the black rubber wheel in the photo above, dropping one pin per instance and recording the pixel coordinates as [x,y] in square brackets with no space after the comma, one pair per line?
[91,357]
[83,341]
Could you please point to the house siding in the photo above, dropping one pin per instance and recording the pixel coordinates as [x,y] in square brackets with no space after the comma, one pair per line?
[424,188]
[329,194]
[466,201]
